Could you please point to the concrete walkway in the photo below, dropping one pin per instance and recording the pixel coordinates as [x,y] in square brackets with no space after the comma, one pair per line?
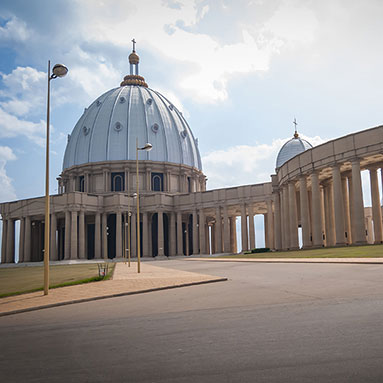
[126,281]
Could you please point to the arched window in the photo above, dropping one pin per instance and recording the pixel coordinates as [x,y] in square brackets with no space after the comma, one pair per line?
[118,182]
[82,184]
[157,182]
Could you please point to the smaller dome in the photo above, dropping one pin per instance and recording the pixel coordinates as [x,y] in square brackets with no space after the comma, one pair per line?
[291,148]
[134,58]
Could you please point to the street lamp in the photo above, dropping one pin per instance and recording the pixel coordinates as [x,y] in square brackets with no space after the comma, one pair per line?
[127,230]
[147,148]
[58,70]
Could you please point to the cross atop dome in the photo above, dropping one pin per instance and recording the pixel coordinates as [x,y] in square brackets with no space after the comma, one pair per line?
[296,135]
[134,78]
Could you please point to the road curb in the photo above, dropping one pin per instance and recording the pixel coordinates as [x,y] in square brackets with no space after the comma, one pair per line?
[19,311]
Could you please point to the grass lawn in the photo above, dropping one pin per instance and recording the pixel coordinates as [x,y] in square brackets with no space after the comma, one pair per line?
[370,251]
[17,280]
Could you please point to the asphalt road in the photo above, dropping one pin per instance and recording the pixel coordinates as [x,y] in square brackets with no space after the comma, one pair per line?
[268,323]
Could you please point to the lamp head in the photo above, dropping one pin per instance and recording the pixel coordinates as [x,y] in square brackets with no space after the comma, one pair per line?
[59,70]
[147,147]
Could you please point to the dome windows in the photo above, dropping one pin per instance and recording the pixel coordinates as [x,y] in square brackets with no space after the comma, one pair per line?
[118,126]
[155,128]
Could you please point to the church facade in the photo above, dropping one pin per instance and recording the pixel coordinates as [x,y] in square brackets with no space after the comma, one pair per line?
[317,191]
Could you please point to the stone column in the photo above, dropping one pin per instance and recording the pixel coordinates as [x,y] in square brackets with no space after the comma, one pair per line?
[368,226]
[226,231]
[133,235]
[376,208]
[195,232]
[145,235]
[104,235]
[73,236]
[160,216]
[180,250]
[118,235]
[27,242]
[286,213]
[53,251]
[270,224]
[251,227]
[218,230]
[97,236]
[172,234]
[11,241]
[283,220]
[323,219]
[277,222]
[4,242]
[293,217]
[351,208]
[304,205]
[316,211]
[21,240]
[338,207]
[346,210]
[67,235]
[233,235]
[202,233]
[245,242]
[329,216]
[358,208]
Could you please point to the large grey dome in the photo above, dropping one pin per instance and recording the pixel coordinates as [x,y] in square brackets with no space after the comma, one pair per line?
[108,129]
[291,148]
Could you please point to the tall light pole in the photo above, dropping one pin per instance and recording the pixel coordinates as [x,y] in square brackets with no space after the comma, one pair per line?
[128,228]
[58,70]
[147,148]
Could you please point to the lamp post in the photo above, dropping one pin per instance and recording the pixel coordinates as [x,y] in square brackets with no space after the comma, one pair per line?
[127,228]
[58,70]
[147,147]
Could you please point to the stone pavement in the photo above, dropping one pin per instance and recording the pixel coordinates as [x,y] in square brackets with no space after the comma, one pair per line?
[126,281]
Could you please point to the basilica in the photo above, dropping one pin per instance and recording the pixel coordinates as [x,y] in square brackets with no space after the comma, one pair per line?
[132,181]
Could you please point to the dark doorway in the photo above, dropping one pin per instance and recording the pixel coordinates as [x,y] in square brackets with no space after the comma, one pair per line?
[111,234]
[90,240]
[187,235]
[155,234]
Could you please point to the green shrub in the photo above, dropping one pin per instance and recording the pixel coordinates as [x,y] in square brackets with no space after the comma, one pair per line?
[260,250]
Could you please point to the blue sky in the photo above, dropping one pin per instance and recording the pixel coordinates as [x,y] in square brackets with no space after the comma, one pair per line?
[239,70]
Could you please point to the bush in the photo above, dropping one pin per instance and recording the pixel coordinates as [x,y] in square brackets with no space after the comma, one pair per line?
[260,250]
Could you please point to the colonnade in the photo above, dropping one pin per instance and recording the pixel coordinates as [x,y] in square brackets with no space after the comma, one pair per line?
[74,232]
[330,211]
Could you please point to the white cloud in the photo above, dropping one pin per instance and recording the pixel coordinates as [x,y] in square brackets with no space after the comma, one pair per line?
[14,30]
[7,191]
[12,126]
[245,164]
[166,31]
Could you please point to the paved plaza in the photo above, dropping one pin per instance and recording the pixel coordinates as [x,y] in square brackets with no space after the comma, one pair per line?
[267,323]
